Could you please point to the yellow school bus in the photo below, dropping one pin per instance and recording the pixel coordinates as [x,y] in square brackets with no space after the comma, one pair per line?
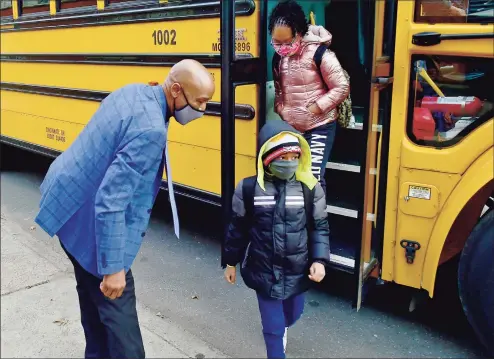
[410,180]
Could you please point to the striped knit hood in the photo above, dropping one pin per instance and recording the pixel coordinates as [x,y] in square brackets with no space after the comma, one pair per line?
[269,131]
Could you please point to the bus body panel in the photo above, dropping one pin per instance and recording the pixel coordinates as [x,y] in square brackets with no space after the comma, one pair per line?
[416,218]
[454,159]
[478,175]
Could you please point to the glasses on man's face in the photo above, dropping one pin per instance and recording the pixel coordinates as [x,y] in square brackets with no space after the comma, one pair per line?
[277,45]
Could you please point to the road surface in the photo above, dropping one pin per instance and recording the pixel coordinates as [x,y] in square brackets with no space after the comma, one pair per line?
[182,280]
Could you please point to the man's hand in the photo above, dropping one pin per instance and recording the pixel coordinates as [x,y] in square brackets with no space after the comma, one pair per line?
[317,272]
[231,274]
[113,285]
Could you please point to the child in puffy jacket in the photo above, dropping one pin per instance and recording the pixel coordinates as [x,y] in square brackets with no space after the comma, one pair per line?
[305,96]
[279,232]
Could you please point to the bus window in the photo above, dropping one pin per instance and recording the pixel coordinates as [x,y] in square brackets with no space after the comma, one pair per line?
[449,97]
[35,6]
[454,11]
[70,4]
[6,8]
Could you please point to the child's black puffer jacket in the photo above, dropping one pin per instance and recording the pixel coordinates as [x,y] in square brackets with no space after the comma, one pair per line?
[273,248]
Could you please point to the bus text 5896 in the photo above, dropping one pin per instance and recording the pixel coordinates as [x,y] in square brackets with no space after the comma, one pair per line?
[239,46]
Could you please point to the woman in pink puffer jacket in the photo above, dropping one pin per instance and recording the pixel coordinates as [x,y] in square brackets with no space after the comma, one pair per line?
[305,97]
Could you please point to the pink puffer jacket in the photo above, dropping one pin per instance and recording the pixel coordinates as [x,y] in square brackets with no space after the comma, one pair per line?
[299,84]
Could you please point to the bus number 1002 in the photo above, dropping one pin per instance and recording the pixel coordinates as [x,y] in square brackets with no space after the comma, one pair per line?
[164,37]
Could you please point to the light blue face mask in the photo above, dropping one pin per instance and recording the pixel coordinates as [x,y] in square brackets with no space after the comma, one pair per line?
[283,169]
[187,114]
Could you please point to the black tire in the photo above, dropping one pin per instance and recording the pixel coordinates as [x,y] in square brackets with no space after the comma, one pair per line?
[476,280]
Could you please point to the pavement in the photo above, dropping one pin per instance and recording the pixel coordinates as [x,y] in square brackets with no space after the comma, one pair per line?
[40,311]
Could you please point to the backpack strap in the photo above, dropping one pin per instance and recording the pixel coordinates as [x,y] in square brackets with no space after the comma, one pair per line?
[248,190]
[318,55]
[309,205]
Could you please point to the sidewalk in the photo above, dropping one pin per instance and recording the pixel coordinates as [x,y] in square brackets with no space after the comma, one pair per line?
[40,315]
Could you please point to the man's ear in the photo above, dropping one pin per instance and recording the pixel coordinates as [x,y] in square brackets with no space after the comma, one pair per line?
[176,89]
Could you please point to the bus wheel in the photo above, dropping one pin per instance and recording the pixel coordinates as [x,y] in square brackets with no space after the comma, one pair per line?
[476,280]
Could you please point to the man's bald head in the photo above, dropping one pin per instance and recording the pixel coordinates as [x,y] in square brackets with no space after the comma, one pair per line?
[194,80]
[190,74]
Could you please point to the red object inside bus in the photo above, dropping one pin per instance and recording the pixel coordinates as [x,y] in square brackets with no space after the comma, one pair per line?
[423,124]
[457,106]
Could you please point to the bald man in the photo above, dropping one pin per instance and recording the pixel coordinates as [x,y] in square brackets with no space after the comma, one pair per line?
[98,194]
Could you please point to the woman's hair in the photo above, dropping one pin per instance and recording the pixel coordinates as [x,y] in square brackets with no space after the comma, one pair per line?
[289,13]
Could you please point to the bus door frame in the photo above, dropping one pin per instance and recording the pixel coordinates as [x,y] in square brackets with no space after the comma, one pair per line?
[237,71]
[375,191]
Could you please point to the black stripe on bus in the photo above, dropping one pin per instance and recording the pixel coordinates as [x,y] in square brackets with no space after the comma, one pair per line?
[242,111]
[42,150]
[159,13]
[208,60]
[182,190]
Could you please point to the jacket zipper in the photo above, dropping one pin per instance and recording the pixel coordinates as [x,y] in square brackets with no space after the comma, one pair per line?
[278,199]
[284,239]
[246,255]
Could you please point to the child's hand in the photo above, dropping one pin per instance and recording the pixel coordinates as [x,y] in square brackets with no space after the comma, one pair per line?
[231,274]
[314,108]
[317,272]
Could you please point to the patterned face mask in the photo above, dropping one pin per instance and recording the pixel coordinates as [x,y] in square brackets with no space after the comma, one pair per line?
[287,49]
